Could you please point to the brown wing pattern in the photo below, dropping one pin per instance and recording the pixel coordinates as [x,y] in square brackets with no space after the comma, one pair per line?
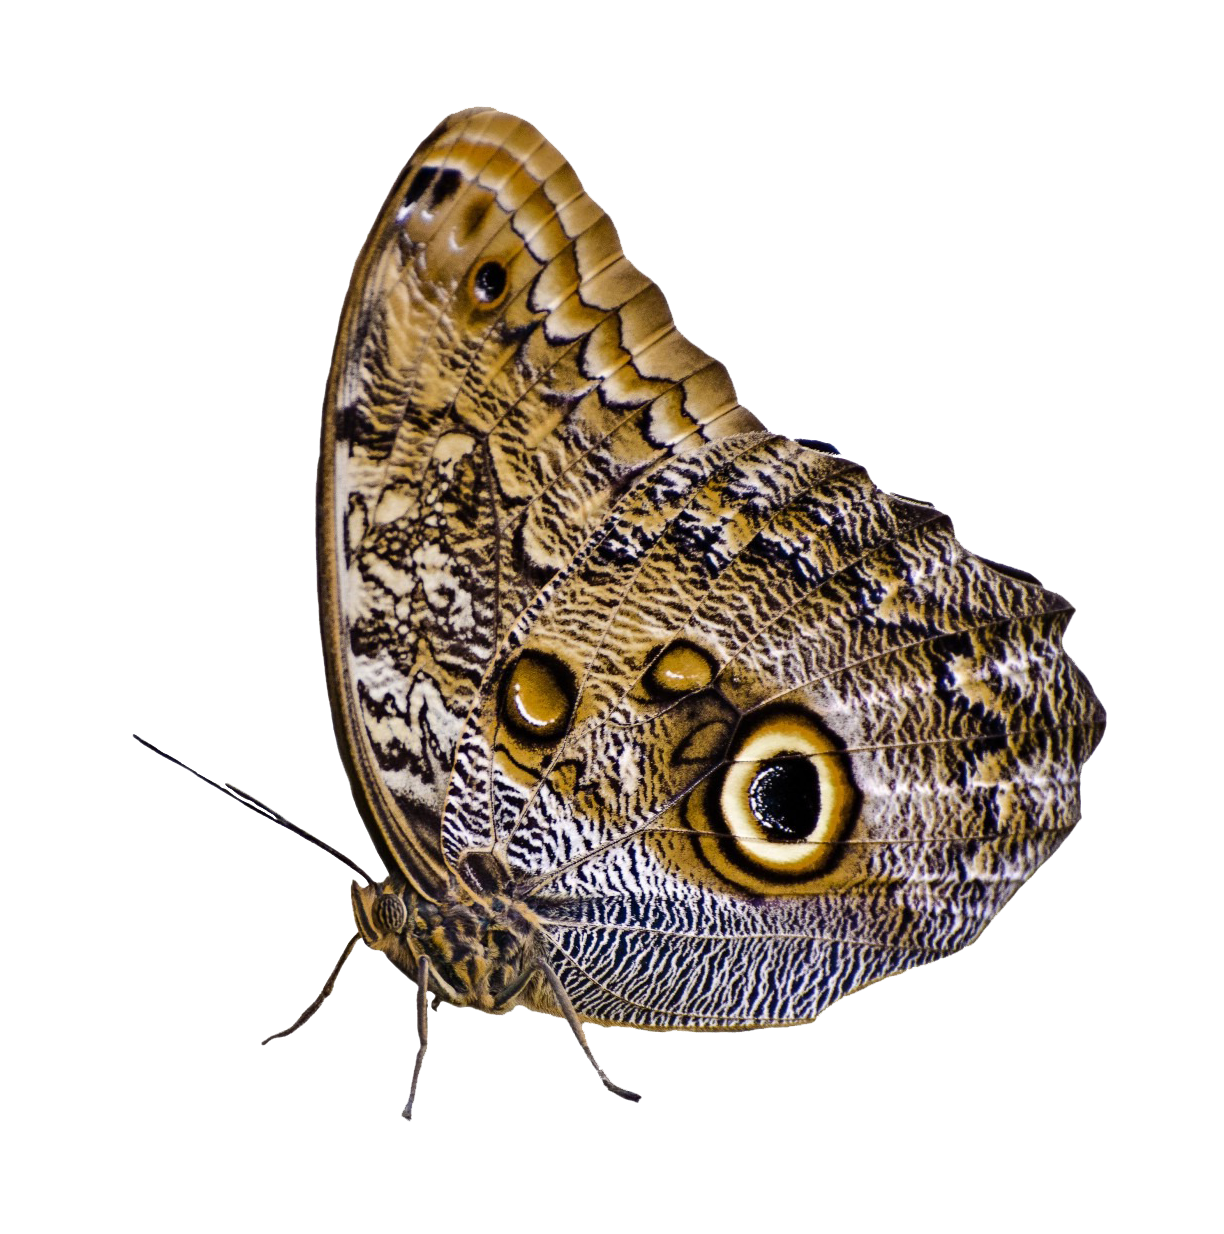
[501,376]
[804,740]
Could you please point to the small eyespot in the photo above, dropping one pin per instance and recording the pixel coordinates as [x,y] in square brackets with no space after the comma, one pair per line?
[489,283]
[537,697]
[680,669]
[390,915]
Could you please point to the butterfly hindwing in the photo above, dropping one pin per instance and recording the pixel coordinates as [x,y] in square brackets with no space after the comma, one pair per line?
[759,628]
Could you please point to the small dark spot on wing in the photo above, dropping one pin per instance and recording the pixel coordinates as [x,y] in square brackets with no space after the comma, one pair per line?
[813,444]
[445,187]
[420,182]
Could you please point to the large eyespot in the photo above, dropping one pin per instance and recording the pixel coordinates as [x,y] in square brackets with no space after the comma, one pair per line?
[537,697]
[781,805]
[489,284]
[390,915]
[680,668]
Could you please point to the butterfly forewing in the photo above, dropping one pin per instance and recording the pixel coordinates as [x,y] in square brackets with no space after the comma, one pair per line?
[501,375]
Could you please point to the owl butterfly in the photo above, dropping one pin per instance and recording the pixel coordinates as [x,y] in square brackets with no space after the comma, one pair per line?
[655,718]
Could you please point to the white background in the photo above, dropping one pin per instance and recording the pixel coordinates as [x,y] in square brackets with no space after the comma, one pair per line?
[977,246]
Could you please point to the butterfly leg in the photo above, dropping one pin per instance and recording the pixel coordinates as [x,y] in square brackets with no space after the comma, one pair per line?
[422,1028]
[571,1016]
[318,1002]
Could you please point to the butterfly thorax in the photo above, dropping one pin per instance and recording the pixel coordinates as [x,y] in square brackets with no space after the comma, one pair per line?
[481,951]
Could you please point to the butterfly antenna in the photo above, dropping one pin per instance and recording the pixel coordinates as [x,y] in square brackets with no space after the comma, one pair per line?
[265,811]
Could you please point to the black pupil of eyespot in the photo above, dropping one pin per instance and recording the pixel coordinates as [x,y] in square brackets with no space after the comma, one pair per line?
[490,281]
[785,798]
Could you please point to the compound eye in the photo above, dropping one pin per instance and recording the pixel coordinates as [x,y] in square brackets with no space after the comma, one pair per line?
[390,915]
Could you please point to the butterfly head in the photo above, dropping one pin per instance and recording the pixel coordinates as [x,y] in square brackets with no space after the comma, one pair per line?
[386,914]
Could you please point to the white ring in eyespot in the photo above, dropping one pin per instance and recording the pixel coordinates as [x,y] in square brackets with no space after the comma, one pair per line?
[794,734]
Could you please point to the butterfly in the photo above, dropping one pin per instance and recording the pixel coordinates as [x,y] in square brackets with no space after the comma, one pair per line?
[654,717]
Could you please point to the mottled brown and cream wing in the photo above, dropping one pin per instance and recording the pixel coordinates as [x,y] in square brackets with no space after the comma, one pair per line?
[773,735]
[502,375]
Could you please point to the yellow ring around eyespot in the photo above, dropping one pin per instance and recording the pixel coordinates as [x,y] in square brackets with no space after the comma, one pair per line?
[795,735]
